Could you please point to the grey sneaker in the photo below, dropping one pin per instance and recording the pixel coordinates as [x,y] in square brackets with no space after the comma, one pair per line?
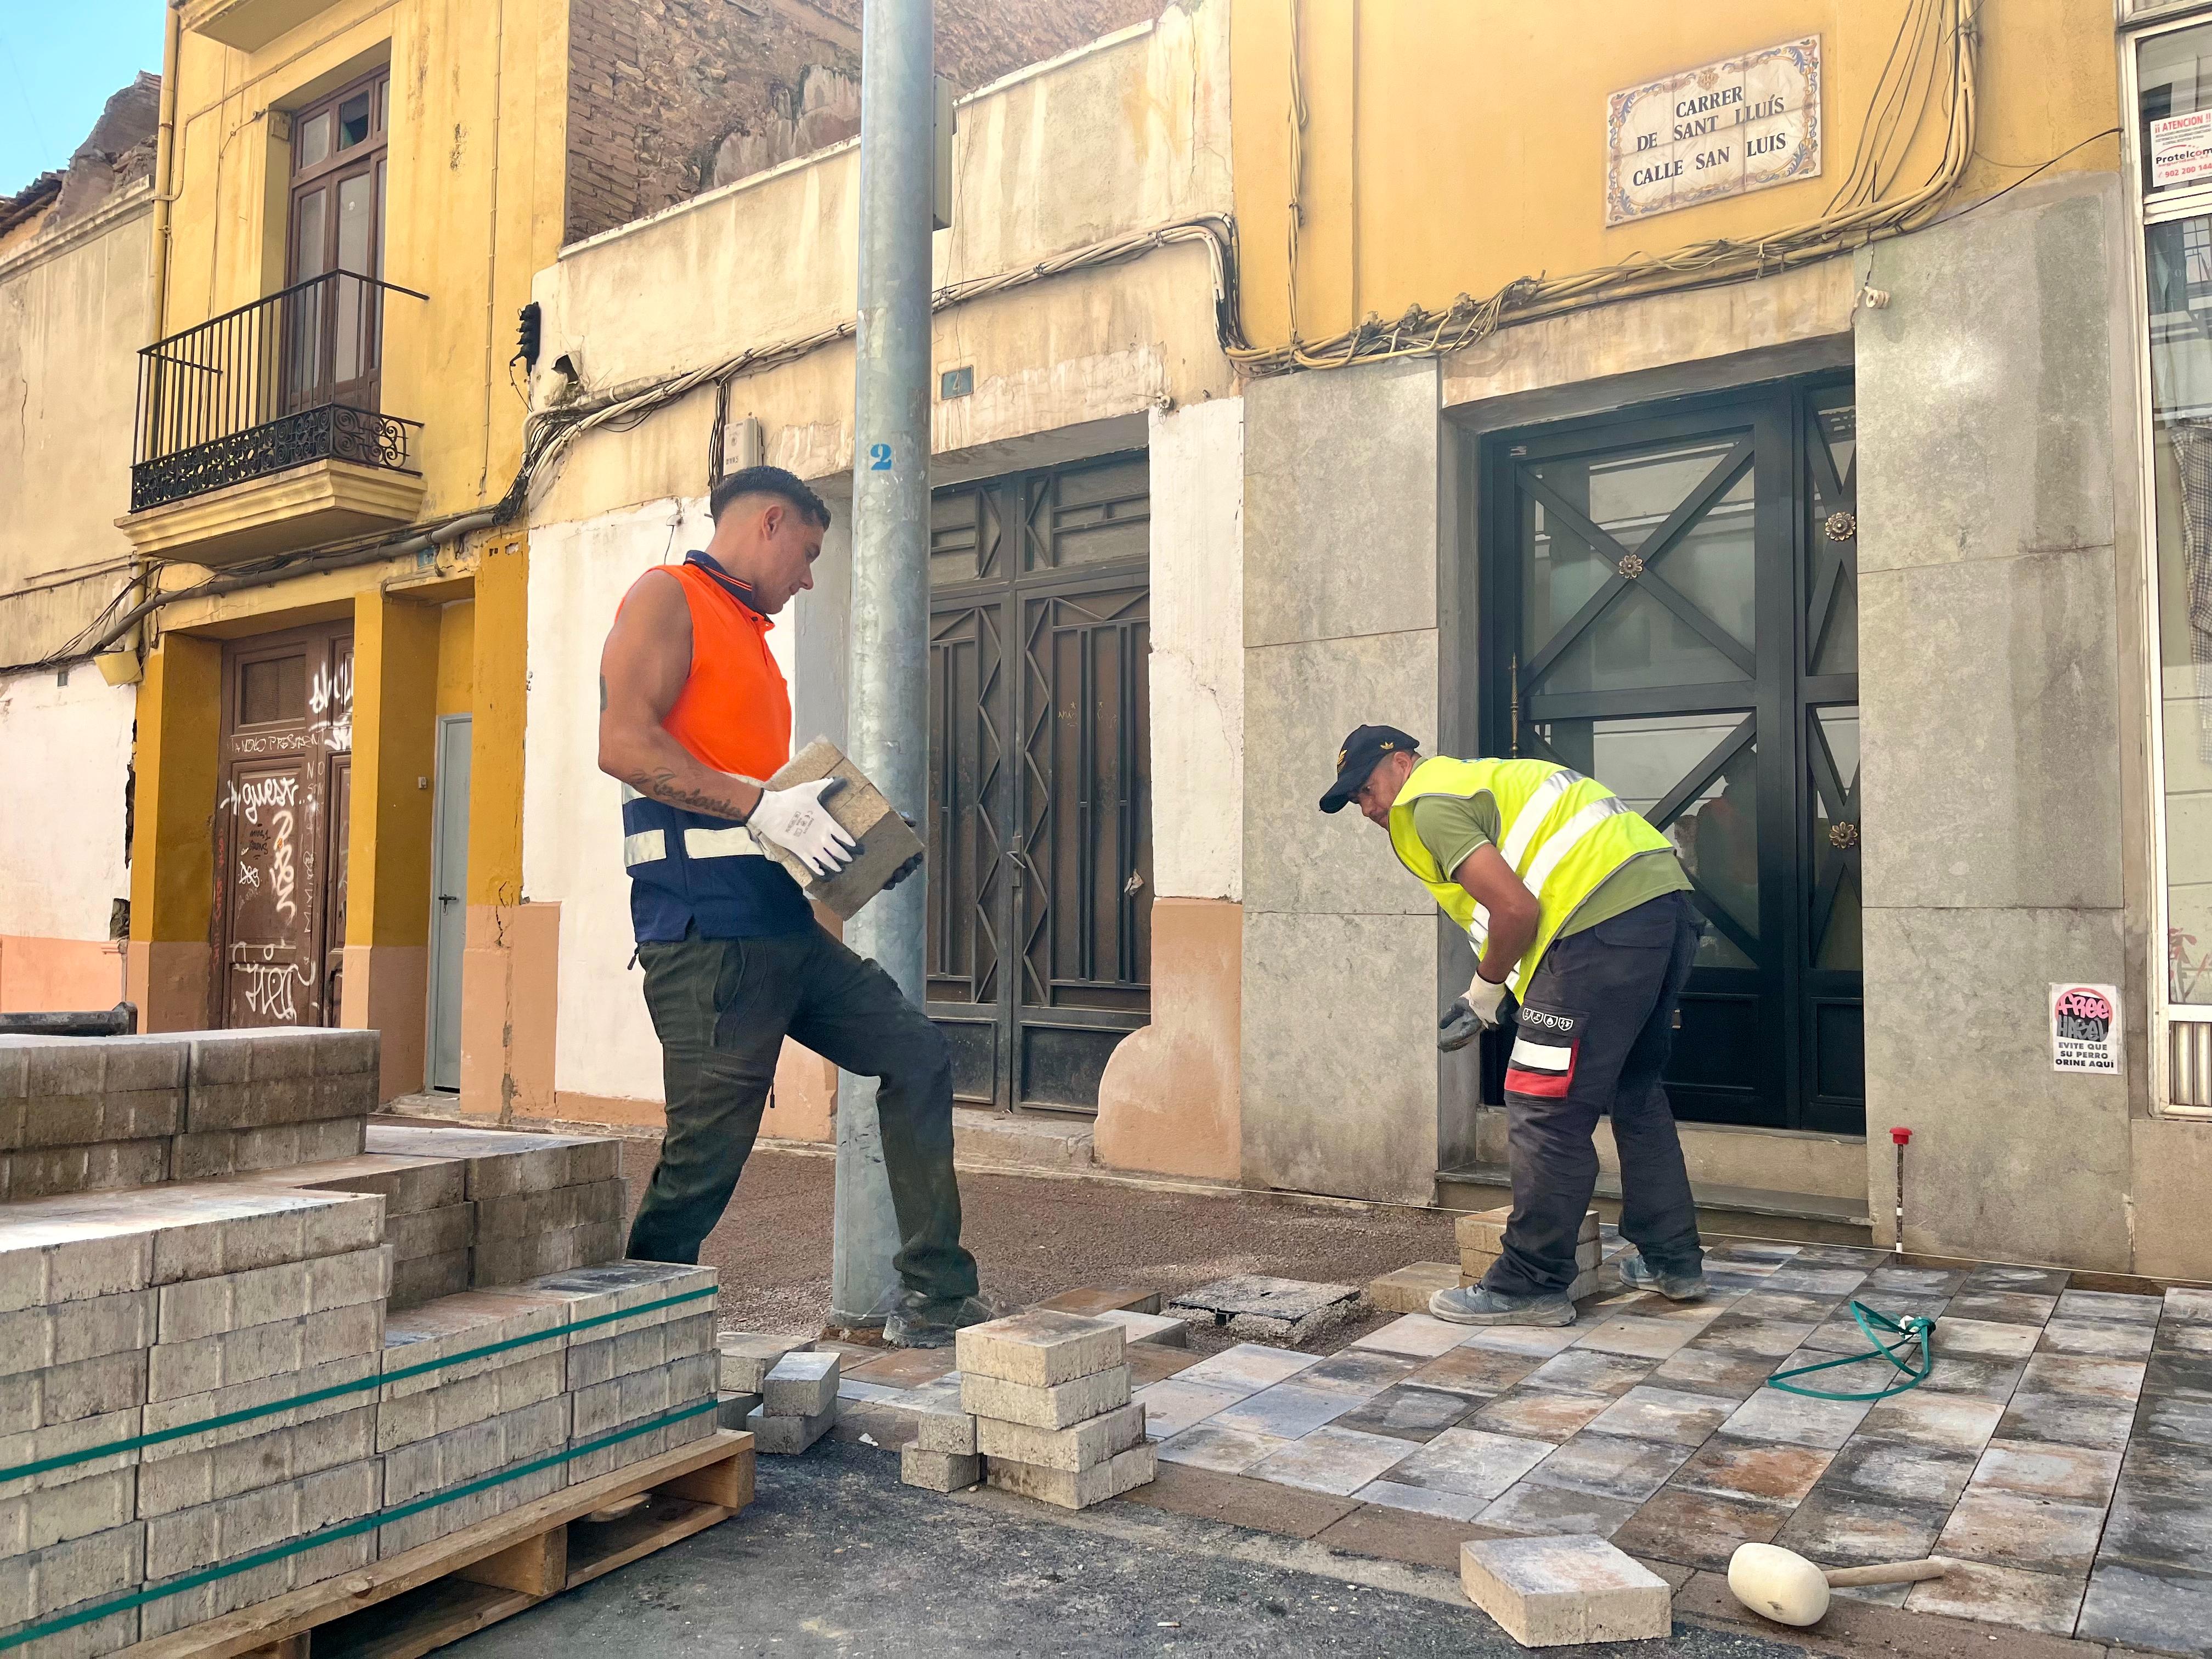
[919,1322]
[1641,1275]
[1477,1305]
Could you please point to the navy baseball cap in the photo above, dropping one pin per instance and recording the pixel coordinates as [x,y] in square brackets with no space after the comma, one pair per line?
[1362,753]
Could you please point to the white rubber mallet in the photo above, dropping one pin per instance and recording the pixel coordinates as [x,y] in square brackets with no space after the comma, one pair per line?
[1783,1585]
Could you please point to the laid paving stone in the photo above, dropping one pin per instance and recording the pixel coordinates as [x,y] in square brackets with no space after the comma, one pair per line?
[1647,1339]
[2044,1602]
[1438,1501]
[1610,1465]
[1526,1507]
[2182,1336]
[1239,1501]
[1714,1371]
[2149,1462]
[1998,1276]
[1889,1468]
[1590,1371]
[2147,1607]
[1917,1281]
[1841,1333]
[1756,1471]
[1699,1529]
[1540,1340]
[1923,1418]
[2004,1306]
[1227,1451]
[1073,1491]
[1138,1328]
[1771,1414]
[1548,1414]
[2185,1304]
[1287,1410]
[902,1368]
[937,1471]
[1410,1412]
[1473,1370]
[1153,1362]
[2107,1305]
[1256,1306]
[1992,1380]
[2167,1417]
[1419,1335]
[1056,1407]
[1982,1338]
[2102,1339]
[1090,1301]
[1172,1406]
[2073,1474]
[2118,1381]
[1824,1282]
[2188,1375]
[1765,1338]
[1550,1592]
[1248,1367]
[1841,1528]
[1364,1372]
[2158,1525]
[1333,1460]
[1646,1412]
[1472,1462]
[1408,1289]
[1738,1250]
[800,1385]
[2014,1529]
[2067,1421]
[1792,1306]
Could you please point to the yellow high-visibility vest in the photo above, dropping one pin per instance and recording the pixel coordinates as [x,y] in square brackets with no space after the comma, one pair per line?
[1563,833]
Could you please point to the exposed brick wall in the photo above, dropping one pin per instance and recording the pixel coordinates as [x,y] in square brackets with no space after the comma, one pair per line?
[667,98]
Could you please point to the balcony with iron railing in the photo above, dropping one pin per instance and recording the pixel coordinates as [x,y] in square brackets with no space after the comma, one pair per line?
[264,429]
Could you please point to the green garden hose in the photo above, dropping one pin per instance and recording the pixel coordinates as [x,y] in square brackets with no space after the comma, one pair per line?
[1912,1330]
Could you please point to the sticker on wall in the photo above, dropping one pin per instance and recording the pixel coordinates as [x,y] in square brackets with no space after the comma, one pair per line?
[2181,149]
[2085,1029]
[1741,124]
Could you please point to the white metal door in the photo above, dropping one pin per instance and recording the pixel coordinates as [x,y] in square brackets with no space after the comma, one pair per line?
[449,910]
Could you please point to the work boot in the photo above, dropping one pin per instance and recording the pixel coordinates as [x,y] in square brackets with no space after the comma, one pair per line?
[1478,1305]
[1639,1274]
[919,1321]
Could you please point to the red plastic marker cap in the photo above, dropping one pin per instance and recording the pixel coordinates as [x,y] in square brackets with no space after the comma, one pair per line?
[1900,1136]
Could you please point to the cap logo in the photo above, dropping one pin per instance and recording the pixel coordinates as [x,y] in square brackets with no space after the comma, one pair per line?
[1387,743]
[1341,755]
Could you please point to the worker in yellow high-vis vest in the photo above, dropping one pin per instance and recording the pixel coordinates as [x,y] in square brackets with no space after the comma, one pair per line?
[1579,908]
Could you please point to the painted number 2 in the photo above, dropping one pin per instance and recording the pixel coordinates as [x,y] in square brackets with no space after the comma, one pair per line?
[879,458]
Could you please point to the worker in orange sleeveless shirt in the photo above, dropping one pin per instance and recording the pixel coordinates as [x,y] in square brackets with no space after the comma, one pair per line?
[693,712]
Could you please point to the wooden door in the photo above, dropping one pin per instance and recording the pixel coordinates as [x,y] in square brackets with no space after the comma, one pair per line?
[285,755]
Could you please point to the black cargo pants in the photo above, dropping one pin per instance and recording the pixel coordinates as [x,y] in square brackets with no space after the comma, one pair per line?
[721,1008]
[1595,1032]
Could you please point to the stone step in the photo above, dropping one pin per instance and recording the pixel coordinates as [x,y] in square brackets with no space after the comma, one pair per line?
[1019,1141]
[1742,1212]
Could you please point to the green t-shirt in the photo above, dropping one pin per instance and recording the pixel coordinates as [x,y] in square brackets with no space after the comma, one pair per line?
[1453,826]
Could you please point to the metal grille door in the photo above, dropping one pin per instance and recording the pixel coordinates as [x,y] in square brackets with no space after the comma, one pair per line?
[1040,827]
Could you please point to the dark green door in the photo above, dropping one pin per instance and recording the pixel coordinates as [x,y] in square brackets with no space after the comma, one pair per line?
[1670,606]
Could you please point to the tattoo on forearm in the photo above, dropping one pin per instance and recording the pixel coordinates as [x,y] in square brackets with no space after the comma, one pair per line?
[663,786]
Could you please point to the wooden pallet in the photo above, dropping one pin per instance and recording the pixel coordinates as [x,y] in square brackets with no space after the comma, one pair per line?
[456,1585]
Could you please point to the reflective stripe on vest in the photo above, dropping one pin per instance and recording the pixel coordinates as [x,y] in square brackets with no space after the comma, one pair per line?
[1562,833]
[644,848]
[735,842]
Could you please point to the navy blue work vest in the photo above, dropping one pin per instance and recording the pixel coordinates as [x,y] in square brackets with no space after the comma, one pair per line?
[690,870]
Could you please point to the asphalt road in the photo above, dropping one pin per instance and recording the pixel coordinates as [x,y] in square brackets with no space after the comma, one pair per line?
[835,1557]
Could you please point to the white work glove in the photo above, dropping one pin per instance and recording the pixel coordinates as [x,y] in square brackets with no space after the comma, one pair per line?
[796,820]
[1479,1009]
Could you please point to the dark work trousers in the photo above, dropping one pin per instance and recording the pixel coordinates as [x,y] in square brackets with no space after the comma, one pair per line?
[1593,1036]
[722,1008]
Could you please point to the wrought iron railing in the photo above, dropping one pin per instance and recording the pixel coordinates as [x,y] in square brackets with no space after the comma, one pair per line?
[294,378]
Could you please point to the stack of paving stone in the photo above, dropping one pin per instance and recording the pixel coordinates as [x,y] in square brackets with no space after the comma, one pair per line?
[1482,1240]
[743,1359]
[942,1455]
[798,1402]
[78,1116]
[540,1204]
[1049,1393]
[126,1311]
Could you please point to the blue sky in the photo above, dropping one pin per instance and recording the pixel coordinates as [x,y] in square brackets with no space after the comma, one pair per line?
[59,59]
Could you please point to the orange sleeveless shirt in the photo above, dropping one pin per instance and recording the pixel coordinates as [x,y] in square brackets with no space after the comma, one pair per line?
[734,712]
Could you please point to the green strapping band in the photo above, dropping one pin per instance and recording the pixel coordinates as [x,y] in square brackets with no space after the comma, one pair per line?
[1913,1328]
[376,1381]
[346,1529]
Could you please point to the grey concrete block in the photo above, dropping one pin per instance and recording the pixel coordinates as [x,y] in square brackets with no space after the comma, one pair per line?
[395,1537]
[33,1339]
[281,1347]
[1055,1407]
[95,1244]
[427,1278]
[168,1481]
[1556,1591]
[1038,1349]
[438,1333]
[1085,1445]
[553,1209]
[945,1430]
[501,1165]
[265,1392]
[81,1119]
[800,1385]
[82,1435]
[196,1308]
[747,1359]
[466,1454]
[409,1186]
[530,1378]
[102,1166]
[442,1231]
[519,1261]
[1303,434]
[640,1293]
[732,1409]
[937,1471]
[71,1574]
[212,1154]
[64,1394]
[250,1522]
[1136,1466]
[787,1437]
[67,1509]
[1340,1008]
